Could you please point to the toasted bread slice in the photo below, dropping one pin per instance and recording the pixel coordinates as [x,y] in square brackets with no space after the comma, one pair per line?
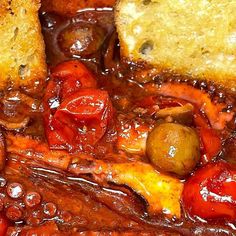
[196,38]
[22,56]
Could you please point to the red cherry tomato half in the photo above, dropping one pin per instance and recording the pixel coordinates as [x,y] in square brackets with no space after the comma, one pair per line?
[211,192]
[75,112]
[3,225]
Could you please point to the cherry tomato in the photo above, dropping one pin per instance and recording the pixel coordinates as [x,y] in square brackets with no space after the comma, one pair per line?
[211,143]
[75,112]
[73,75]
[83,116]
[66,78]
[200,120]
[211,192]
[3,225]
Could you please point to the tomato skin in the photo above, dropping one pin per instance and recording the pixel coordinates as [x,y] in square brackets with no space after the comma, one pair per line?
[83,116]
[210,140]
[74,69]
[73,75]
[75,112]
[84,104]
[67,78]
[59,136]
[3,225]
[211,143]
[211,192]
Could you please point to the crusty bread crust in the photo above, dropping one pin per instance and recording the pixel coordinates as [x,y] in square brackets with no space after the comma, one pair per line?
[194,38]
[22,51]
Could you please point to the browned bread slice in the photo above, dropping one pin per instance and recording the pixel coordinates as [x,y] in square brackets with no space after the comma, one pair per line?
[196,38]
[22,56]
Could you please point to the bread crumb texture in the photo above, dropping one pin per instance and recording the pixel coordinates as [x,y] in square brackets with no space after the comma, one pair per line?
[22,51]
[190,37]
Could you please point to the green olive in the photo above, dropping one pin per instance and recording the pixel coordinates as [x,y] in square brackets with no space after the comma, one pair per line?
[173,148]
[81,39]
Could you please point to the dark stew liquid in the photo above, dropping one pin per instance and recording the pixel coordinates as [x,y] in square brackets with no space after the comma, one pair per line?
[83,154]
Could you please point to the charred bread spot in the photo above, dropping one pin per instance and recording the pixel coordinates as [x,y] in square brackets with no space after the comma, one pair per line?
[146,2]
[146,47]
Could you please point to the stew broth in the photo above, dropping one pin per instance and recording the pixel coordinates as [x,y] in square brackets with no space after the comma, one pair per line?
[36,197]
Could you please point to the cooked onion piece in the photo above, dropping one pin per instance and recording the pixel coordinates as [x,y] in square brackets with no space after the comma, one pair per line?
[230,149]
[111,57]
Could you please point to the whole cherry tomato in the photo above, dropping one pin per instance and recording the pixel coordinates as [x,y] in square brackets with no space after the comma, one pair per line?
[75,112]
[211,192]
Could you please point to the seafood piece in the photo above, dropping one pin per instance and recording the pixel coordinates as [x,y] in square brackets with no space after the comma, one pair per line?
[69,198]
[161,192]
[2,151]
[47,229]
[30,148]
[217,117]
[14,125]
[4,223]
